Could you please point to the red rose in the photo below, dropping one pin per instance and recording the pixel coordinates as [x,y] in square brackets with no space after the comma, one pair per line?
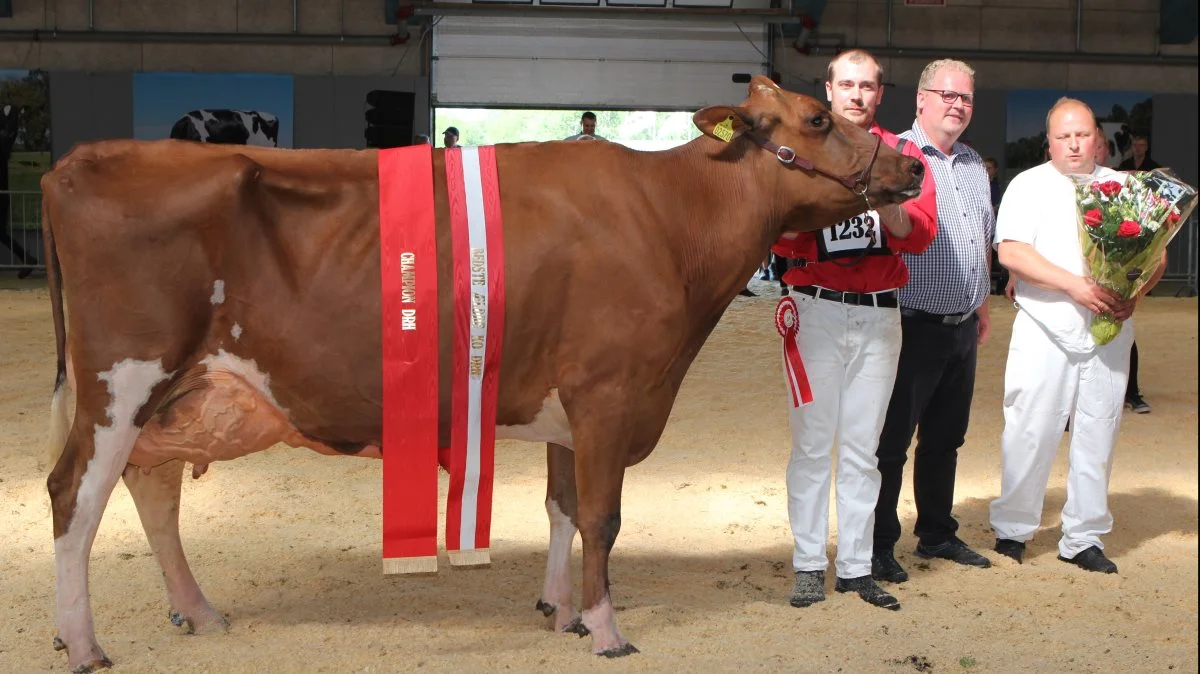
[1173,218]
[1110,188]
[1093,218]
[1129,229]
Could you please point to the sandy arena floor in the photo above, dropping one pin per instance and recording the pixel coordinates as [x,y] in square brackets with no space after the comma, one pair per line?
[286,543]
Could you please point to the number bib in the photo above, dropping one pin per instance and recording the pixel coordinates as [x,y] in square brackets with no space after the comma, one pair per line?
[856,237]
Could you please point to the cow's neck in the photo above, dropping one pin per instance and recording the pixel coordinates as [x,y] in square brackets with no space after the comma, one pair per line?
[734,219]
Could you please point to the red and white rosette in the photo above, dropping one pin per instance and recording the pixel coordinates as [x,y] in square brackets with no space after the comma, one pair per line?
[787,318]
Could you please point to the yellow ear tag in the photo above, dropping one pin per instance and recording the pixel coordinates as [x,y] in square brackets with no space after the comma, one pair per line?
[724,130]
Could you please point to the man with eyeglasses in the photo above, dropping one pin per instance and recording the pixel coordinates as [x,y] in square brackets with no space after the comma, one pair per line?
[848,334]
[943,319]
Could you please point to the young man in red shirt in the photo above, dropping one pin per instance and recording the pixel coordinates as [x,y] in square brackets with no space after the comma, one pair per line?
[848,334]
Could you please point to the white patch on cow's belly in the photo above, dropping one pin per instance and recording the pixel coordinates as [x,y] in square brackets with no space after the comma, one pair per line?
[218,296]
[550,425]
[236,331]
[246,369]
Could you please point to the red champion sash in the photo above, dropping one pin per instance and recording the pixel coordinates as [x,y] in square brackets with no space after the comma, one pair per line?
[408,271]
[478,254]
[787,321]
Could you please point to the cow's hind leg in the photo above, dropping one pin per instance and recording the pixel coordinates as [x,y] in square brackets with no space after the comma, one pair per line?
[156,495]
[80,484]
[561,507]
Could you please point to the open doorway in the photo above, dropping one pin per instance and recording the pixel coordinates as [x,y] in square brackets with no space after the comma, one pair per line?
[637,129]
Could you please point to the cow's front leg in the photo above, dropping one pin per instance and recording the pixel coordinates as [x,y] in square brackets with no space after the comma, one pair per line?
[561,507]
[156,495]
[599,473]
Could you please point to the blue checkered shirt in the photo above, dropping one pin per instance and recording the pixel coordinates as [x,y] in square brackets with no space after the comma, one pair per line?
[951,276]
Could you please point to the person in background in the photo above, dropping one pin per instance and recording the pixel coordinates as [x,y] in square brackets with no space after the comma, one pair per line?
[993,173]
[450,137]
[1102,152]
[587,125]
[1140,160]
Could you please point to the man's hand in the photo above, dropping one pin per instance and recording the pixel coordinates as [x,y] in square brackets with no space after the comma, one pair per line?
[895,219]
[1124,310]
[1094,298]
[985,322]
[1010,288]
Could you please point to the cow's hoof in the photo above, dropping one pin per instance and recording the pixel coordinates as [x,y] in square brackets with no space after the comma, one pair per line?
[211,622]
[214,624]
[59,645]
[546,609]
[87,668]
[576,626]
[619,652]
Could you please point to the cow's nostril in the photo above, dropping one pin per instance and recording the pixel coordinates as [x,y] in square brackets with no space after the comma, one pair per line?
[918,169]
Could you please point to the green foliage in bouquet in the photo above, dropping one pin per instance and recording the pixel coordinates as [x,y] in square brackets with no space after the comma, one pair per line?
[1124,226]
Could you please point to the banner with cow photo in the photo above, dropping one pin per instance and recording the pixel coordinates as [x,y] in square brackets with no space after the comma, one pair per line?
[1122,114]
[232,109]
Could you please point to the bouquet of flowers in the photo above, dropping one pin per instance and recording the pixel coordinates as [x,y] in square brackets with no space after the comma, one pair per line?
[1124,226]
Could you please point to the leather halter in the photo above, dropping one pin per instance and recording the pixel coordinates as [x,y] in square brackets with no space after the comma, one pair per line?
[787,156]
[857,184]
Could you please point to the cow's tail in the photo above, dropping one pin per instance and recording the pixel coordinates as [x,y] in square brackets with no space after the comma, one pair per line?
[59,423]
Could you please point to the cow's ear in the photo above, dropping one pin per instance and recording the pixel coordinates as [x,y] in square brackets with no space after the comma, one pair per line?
[723,122]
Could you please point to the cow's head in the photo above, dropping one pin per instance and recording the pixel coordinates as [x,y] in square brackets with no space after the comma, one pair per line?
[822,167]
[269,125]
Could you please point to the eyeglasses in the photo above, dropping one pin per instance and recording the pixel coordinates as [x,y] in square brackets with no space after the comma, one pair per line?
[948,97]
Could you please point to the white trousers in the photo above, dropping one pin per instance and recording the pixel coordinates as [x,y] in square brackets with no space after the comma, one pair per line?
[1043,387]
[850,355]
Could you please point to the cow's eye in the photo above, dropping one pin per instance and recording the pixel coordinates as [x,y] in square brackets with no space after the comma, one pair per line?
[817,121]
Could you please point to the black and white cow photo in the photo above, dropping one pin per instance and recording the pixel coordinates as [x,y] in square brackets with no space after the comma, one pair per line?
[228,127]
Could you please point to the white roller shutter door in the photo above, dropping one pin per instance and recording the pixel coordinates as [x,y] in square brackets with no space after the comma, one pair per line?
[531,62]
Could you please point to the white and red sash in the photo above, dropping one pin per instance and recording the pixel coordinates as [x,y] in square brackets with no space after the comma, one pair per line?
[408,271]
[408,276]
[477,239]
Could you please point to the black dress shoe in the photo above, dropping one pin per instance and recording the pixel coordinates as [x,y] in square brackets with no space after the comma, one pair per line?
[1092,559]
[955,551]
[870,592]
[746,292]
[1010,548]
[885,567]
[809,589]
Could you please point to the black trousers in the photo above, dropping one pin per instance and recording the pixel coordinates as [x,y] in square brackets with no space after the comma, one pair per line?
[1131,387]
[935,380]
[779,265]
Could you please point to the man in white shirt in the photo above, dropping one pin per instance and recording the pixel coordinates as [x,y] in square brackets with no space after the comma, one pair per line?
[587,123]
[1055,371]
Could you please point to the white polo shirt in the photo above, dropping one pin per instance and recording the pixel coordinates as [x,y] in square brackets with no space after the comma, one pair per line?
[1039,209]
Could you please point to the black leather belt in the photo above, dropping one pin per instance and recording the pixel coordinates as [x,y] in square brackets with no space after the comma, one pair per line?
[886,299]
[944,319]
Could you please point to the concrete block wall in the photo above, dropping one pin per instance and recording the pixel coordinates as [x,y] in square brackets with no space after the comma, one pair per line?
[1127,27]
[359,18]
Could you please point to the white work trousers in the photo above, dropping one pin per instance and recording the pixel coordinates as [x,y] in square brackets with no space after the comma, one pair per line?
[850,355]
[1043,387]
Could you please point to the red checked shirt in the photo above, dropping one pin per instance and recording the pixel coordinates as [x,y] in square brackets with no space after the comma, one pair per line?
[833,257]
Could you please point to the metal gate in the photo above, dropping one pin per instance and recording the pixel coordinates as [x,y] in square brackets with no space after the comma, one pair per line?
[21,230]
